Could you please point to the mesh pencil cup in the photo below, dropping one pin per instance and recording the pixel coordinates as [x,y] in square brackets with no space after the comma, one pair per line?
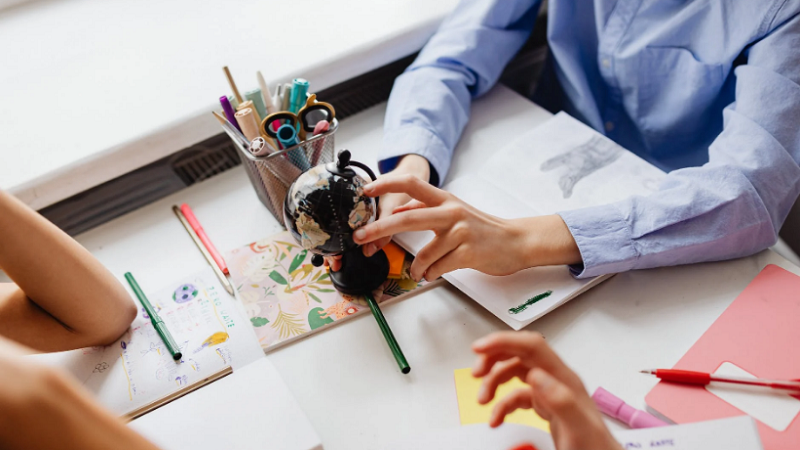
[272,175]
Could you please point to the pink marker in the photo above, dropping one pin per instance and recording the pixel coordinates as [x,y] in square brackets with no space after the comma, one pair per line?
[612,406]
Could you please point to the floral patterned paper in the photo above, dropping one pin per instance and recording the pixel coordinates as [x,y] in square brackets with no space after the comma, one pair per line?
[285,296]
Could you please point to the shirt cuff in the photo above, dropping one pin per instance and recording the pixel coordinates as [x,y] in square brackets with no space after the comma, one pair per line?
[604,240]
[413,139]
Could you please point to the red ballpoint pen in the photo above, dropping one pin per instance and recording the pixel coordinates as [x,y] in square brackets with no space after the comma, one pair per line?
[702,379]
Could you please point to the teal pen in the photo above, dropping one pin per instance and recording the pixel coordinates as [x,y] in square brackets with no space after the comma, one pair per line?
[299,94]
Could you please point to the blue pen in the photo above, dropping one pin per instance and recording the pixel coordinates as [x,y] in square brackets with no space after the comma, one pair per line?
[287,136]
[299,94]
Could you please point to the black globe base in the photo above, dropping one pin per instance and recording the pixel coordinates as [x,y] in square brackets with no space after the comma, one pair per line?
[360,275]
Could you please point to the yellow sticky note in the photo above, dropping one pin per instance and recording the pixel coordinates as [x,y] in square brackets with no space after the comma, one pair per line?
[472,412]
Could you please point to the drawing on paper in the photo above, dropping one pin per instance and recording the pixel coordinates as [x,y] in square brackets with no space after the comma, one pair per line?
[529,302]
[581,161]
[139,369]
[286,296]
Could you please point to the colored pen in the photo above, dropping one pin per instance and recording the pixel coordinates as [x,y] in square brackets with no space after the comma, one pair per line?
[612,406]
[287,136]
[200,246]
[201,233]
[702,379]
[299,94]
[158,323]
[229,112]
[388,335]
[258,101]
[265,92]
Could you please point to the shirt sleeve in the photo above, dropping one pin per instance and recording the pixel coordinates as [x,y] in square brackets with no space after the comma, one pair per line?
[732,206]
[430,102]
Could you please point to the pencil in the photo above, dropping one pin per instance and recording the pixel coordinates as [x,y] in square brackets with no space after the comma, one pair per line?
[388,335]
[265,92]
[158,323]
[233,85]
[201,233]
[222,278]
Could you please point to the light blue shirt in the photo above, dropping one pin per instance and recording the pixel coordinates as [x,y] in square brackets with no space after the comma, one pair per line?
[709,90]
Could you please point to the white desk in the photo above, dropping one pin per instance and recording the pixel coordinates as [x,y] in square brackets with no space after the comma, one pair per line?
[345,378]
[120,84]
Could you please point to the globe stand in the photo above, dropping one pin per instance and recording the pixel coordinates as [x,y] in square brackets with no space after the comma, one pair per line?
[360,275]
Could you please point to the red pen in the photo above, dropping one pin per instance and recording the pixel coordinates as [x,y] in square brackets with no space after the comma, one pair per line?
[195,224]
[702,379]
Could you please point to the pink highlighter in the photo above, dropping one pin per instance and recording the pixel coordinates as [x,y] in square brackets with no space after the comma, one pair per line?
[612,406]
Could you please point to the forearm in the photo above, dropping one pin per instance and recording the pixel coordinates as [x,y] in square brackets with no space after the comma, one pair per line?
[543,241]
[60,284]
[61,415]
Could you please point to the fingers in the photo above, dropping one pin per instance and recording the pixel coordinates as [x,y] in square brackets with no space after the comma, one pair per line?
[519,399]
[413,204]
[407,184]
[457,259]
[501,372]
[532,350]
[373,247]
[431,253]
[334,262]
[416,220]
[557,401]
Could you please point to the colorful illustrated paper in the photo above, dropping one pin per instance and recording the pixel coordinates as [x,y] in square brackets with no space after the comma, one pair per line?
[472,412]
[286,297]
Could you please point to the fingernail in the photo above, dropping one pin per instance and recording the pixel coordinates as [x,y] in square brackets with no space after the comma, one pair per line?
[359,234]
[482,393]
[541,379]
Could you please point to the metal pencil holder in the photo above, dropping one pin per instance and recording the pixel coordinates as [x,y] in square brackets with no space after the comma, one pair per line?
[272,175]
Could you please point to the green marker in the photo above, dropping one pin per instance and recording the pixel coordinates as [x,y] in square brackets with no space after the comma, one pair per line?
[388,335]
[158,323]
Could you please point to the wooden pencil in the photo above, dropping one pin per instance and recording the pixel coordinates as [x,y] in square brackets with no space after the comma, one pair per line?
[233,85]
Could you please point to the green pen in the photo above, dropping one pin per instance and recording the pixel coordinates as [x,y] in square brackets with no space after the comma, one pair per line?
[158,323]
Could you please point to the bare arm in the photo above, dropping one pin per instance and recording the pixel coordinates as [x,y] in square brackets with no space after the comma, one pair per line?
[62,297]
[41,408]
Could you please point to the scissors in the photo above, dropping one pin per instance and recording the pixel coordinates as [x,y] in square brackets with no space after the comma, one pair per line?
[304,121]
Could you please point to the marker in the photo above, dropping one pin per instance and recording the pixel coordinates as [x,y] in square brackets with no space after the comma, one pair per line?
[298,97]
[287,136]
[201,233]
[612,406]
[200,246]
[158,323]
[287,94]
[258,101]
[388,335]
[229,112]
[265,92]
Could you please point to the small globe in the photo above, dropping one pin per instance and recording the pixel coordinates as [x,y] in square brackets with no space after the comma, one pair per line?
[324,206]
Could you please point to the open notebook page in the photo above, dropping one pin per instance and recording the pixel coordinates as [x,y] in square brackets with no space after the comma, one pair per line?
[138,370]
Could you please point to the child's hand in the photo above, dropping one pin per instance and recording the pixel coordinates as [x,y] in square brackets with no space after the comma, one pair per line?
[555,392]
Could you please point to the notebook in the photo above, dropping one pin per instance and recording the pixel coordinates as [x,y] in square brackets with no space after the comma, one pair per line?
[287,298]
[758,336]
[136,376]
[560,165]
[726,434]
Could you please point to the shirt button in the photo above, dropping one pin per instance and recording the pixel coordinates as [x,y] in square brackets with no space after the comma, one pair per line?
[606,63]
[609,126]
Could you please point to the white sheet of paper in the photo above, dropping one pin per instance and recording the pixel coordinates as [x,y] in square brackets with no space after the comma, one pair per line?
[738,433]
[775,409]
[250,409]
[476,437]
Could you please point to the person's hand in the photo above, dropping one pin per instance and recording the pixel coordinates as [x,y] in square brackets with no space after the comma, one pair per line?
[554,391]
[412,165]
[466,237]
